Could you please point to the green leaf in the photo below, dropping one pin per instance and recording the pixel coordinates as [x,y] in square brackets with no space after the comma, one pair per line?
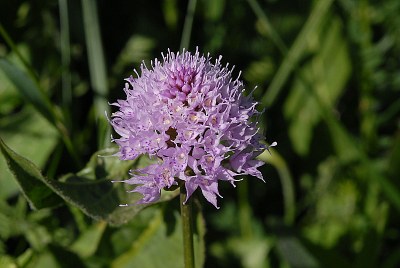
[297,50]
[88,242]
[97,67]
[28,89]
[13,219]
[323,77]
[295,253]
[29,178]
[64,257]
[10,99]
[215,9]
[157,240]
[31,91]
[7,261]
[348,149]
[19,129]
[136,49]
[90,190]
[55,256]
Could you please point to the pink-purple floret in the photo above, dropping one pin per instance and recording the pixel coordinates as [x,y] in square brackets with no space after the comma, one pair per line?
[189,114]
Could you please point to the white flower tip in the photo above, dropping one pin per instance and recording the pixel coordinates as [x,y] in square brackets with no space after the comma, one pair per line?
[118,181]
[123,205]
[104,156]
[272,145]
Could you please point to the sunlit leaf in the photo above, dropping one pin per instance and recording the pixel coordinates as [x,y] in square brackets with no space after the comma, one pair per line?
[297,51]
[18,130]
[156,240]
[29,178]
[90,190]
[7,261]
[323,77]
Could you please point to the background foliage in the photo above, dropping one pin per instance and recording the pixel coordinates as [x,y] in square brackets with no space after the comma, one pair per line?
[327,72]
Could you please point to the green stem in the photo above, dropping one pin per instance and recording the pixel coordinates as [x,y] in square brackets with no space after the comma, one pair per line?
[187,27]
[187,228]
[244,210]
[286,181]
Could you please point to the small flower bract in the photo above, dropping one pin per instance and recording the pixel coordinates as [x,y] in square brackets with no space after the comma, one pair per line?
[187,112]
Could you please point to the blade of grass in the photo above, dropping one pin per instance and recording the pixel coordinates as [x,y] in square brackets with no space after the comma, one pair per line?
[188,24]
[288,65]
[348,148]
[296,51]
[65,53]
[29,89]
[32,92]
[14,48]
[97,68]
[268,26]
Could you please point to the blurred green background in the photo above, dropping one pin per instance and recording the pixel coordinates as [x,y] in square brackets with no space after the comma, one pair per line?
[327,73]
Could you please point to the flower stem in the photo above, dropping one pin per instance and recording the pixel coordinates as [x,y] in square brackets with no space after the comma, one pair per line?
[187,228]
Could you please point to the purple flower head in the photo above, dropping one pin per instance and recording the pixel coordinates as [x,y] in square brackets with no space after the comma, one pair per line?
[187,112]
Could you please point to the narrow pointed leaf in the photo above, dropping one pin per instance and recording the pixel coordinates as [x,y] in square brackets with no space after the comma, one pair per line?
[29,178]
[28,89]
[97,67]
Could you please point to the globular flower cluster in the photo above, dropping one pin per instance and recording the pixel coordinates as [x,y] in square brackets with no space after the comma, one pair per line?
[187,112]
